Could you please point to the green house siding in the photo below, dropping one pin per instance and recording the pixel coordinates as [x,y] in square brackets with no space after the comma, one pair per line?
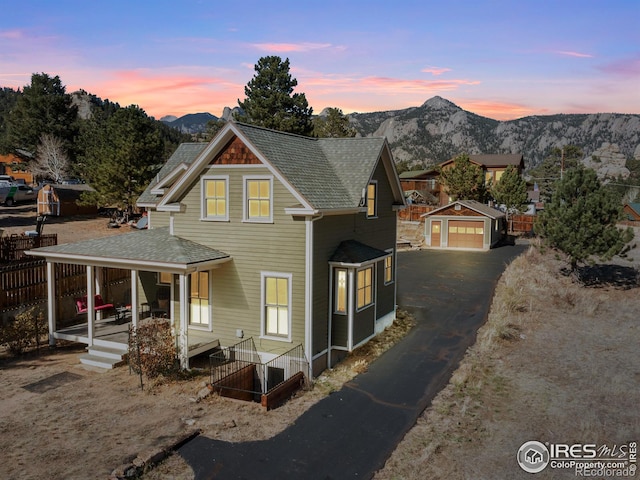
[364,324]
[385,294]
[277,247]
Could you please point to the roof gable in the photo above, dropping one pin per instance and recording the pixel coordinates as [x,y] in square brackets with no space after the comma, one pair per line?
[492,160]
[175,166]
[472,205]
[323,174]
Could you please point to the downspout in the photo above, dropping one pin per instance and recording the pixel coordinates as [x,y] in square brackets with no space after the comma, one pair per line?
[308,314]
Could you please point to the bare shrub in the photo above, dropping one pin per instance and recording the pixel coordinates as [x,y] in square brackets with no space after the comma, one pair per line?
[24,332]
[152,349]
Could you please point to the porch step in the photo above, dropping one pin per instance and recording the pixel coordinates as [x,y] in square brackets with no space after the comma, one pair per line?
[103,357]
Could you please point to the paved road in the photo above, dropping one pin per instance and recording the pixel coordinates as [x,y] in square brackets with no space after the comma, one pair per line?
[351,433]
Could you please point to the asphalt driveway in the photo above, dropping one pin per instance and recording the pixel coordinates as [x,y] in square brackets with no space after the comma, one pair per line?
[352,432]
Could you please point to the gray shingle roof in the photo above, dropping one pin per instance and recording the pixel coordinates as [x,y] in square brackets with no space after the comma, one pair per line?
[354,252]
[185,153]
[329,173]
[156,246]
[486,210]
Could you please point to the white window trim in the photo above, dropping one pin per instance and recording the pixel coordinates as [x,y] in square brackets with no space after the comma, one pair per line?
[203,199]
[199,326]
[245,199]
[373,287]
[393,267]
[375,200]
[263,320]
[335,291]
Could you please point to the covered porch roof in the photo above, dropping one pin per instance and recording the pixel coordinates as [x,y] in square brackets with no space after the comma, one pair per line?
[153,249]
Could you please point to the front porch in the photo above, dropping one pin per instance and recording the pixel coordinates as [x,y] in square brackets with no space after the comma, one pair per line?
[110,343]
[165,273]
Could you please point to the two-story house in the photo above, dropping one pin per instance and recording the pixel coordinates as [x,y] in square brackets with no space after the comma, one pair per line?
[286,239]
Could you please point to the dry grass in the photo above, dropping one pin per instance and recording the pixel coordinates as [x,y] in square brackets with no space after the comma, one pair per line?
[555,362]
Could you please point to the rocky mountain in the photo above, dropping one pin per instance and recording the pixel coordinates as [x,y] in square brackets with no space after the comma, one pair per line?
[439,130]
[190,123]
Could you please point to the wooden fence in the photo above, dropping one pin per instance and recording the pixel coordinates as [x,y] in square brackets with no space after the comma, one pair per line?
[522,223]
[414,212]
[25,283]
[12,247]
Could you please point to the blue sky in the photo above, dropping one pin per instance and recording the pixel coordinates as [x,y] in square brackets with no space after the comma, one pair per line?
[500,59]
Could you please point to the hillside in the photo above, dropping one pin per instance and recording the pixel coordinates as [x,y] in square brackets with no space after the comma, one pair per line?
[439,130]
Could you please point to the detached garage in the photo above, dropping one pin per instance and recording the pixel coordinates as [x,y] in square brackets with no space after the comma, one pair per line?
[464,224]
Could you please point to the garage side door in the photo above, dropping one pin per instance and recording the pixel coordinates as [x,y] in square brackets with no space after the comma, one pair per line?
[466,233]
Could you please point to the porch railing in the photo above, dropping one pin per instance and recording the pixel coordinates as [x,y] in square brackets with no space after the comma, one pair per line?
[237,371]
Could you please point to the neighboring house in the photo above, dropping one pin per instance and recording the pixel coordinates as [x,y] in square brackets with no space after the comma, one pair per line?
[493,166]
[632,212]
[62,200]
[15,167]
[286,239]
[464,224]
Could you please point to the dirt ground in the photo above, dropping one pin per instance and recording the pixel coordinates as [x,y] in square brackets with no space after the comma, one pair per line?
[16,220]
[556,362]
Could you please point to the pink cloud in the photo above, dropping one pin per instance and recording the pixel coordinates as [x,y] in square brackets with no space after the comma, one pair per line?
[628,67]
[435,70]
[160,94]
[11,34]
[391,85]
[499,110]
[291,47]
[574,54]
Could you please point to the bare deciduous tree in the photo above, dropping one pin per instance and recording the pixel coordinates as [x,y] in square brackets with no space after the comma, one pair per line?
[52,160]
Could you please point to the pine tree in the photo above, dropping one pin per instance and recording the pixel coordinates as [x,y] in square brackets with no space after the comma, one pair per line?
[270,101]
[120,157]
[510,191]
[334,124]
[581,219]
[43,107]
[464,180]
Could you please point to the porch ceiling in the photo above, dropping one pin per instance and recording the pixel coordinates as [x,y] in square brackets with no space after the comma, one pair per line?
[144,249]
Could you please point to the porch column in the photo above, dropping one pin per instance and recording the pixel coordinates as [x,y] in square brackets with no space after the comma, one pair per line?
[183,343]
[135,311]
[51,302]
[91,314]
[98,286]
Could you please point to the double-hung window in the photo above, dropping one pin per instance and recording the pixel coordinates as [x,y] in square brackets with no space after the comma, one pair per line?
[372,210]
[276,300]
[199,299]
[215,198]
[388,269]
[364,287]
[258,198]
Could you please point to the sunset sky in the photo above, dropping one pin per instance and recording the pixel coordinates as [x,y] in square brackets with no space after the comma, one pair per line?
[500,59]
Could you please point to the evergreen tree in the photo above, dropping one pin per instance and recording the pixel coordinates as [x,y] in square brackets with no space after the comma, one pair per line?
[553,167]
[270,101]
[334,124]
[510,191]
[581,219]
[120,157]
[8,99]
[464,180]
[44,107]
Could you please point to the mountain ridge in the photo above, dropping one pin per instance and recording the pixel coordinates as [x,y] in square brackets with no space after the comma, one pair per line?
[439,129]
